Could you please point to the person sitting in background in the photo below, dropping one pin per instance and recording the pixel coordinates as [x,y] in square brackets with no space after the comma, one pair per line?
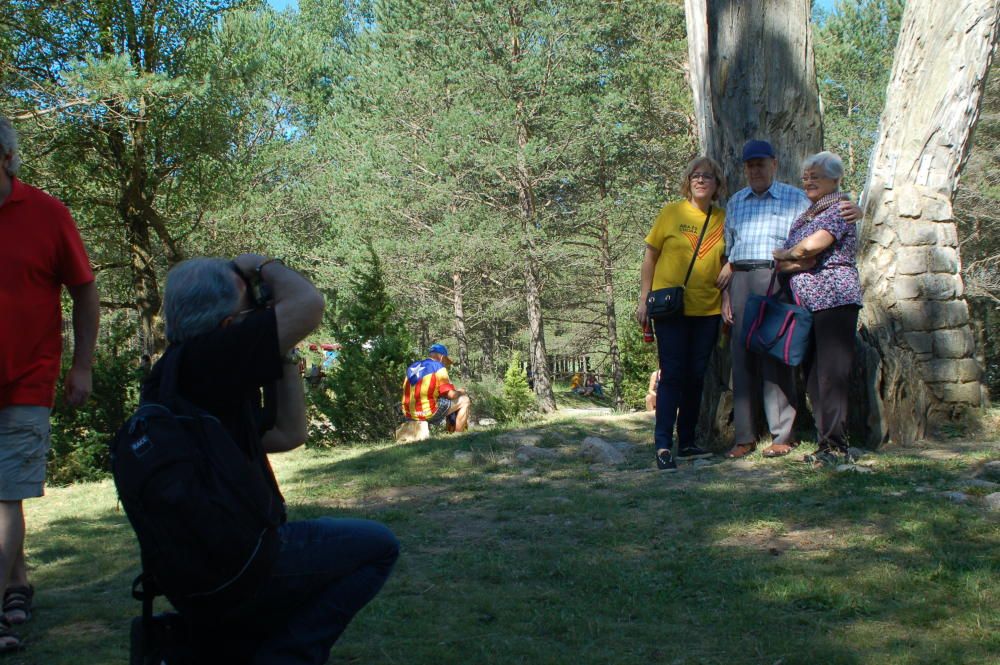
[429,395]
[654,384]
[593,387]
[576,383]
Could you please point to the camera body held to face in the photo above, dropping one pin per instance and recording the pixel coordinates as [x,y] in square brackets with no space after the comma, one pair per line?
[259,292]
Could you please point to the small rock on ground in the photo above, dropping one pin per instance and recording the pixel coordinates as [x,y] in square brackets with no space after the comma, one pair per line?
[992,501]
[980,483]
[528,453]
[990,471]
[956,497]
[487,422]
[519,439]
[596,449]
[841,468]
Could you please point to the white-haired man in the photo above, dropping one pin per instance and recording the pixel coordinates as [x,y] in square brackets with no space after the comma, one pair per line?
[235,325]
[40,252]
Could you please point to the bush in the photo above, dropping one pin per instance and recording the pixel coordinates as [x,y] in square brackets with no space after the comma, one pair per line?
[80,437]
[639,359]
[487,398]
[375,352]
[518,397]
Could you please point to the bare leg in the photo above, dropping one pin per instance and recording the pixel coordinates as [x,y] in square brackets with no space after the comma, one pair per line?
[11,548]
[461,408]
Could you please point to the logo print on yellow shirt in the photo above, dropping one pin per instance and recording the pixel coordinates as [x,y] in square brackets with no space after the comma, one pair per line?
[711,240]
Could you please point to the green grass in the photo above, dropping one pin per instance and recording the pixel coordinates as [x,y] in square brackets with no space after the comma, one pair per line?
[764,561]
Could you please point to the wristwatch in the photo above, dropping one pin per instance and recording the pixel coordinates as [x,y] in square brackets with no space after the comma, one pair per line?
[292,357]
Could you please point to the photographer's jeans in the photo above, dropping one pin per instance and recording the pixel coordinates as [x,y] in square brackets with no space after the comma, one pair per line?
[327,570]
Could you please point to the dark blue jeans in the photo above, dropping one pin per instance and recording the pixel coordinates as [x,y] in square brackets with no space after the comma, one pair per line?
[684,345]
[326,571]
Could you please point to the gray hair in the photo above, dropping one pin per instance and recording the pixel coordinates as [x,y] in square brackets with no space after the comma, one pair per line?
[826,162]
[200,293]
[8,146]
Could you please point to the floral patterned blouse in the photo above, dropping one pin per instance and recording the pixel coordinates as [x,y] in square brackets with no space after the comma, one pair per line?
[834,280]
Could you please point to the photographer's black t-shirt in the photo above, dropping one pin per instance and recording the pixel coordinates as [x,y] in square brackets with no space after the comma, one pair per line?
[224,372]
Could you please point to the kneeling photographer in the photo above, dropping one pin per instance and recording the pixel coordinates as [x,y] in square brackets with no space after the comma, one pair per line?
[285,593]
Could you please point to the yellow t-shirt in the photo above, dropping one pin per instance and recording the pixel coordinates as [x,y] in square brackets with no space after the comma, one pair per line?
[675,233]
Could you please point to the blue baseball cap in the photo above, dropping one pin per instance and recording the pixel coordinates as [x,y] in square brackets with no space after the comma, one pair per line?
[439,348]
[756,150]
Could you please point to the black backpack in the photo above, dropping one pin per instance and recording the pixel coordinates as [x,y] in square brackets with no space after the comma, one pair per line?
[202,509]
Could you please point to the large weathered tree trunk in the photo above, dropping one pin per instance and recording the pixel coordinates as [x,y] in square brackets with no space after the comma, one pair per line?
[753,77]
[918,350]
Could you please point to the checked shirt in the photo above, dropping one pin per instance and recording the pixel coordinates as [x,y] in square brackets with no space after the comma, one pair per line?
[756,225]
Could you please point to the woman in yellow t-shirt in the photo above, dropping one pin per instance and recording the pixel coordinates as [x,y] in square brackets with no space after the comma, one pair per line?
[684,343]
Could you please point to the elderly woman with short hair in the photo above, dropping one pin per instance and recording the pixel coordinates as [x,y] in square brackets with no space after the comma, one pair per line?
[820,256]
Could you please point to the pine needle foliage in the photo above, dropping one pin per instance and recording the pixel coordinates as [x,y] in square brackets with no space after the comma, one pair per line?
[518,397]
[375,351]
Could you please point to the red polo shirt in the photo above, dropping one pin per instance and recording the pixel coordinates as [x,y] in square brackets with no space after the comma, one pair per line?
[40,250]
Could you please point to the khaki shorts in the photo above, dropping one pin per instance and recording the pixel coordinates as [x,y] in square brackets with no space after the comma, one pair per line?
[24,446]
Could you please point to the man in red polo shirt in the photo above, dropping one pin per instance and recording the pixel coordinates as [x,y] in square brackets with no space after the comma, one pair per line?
[40,251]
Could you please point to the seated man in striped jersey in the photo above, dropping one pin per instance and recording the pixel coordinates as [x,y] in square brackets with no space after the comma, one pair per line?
[429,395]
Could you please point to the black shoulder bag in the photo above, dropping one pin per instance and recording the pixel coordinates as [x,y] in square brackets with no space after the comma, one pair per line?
[668,303]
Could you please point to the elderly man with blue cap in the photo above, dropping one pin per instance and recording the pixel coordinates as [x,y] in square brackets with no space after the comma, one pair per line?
[428,393]
[758,218]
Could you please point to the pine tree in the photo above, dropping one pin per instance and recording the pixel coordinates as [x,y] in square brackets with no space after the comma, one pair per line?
[375,351]
[518,397]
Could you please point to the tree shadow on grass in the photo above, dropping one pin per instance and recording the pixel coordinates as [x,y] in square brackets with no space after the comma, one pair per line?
[700,567]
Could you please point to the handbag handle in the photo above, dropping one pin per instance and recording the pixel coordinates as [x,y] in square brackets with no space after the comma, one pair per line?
[698,246]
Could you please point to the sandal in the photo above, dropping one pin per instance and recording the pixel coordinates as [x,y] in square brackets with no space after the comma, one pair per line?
[14,644]
[17,601]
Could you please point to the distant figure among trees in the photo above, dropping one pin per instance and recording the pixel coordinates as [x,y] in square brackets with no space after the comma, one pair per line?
[654,385]
[429,395]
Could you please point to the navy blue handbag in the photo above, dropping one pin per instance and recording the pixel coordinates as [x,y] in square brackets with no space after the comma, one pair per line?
[775,328]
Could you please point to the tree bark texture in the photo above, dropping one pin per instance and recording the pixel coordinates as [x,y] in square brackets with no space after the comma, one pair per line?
[529,218]
[917,347]
[752,73]
[463,344]
[610,313]
[753,76]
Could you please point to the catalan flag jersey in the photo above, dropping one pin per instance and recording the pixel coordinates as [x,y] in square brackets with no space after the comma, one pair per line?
[426,381]
[675,233]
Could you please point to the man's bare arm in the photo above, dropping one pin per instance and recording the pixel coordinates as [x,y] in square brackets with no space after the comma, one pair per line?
[291,427]
[86,320]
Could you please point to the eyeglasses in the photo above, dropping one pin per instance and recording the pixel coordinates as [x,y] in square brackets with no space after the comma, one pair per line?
[813,178]
[708,177]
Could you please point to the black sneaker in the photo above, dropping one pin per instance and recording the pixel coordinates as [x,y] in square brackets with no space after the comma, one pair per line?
[693,452]
[824,457]
[665,461]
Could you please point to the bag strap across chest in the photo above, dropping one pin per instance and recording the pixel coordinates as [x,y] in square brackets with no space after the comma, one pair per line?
[701,237]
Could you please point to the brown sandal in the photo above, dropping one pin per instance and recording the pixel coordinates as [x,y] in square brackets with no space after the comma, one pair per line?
[778,450]
[741,450]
